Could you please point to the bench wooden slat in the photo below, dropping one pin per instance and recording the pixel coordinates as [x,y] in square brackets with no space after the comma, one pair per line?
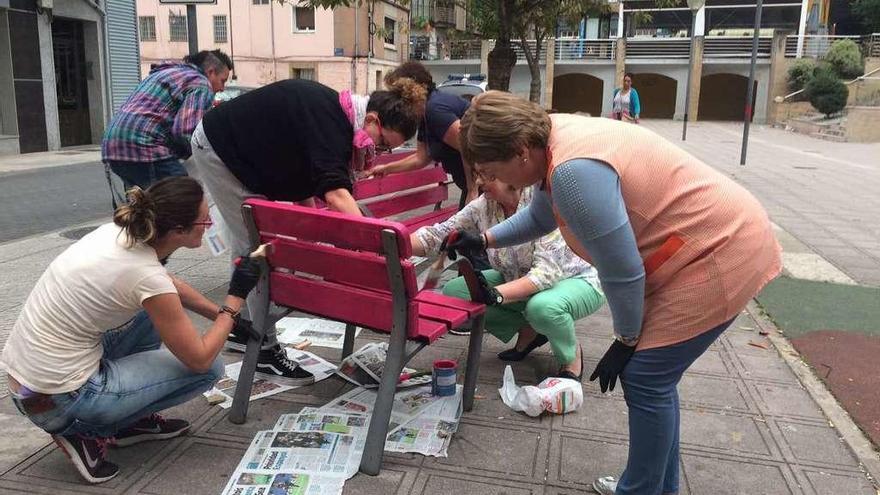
[340,265]
[406,202]
[311,224]
[454,318]
[430,218]
[451,302]
[369,188]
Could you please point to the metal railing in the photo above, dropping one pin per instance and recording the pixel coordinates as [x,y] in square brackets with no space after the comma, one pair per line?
[869,75]
[517,47]
[423,48]
[736,47]
[584,49]
[871,45]
[815,46]
[658,47]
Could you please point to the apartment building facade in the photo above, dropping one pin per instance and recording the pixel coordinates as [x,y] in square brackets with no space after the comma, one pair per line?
[270,40]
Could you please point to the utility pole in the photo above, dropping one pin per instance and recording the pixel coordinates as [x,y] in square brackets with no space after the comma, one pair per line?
[750,95]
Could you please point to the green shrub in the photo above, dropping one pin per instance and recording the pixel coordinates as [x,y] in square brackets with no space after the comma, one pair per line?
[846,58]
[799,73]
[826,92]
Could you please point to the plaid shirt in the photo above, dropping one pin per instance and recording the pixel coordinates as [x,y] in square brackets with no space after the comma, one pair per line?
[158,119]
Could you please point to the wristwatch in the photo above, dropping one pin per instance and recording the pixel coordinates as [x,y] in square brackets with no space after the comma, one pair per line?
[496,297]
[231,312]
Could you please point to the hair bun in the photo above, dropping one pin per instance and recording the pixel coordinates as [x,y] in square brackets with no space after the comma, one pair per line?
[413,94]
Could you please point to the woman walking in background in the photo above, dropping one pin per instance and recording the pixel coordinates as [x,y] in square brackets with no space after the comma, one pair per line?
[626,104]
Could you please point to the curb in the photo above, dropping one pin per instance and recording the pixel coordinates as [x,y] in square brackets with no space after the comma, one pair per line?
[838,418]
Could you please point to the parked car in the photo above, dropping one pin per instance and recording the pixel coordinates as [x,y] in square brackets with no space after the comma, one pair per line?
[465,85]
[231,91]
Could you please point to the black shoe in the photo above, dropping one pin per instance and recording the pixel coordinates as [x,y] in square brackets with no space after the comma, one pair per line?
[153,427]
[568,374]
[89,456]
[273,365]
[515,355]
[236,341]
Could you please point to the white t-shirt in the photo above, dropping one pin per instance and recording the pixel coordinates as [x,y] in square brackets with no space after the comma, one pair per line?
[95,285]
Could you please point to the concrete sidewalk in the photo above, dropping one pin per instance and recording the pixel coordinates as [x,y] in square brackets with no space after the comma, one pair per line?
[748,424]
[67,156]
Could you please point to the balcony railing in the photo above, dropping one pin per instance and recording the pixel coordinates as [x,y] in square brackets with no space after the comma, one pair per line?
[816,46]
[735,47]
[422,48]
[658,47]
[584,49]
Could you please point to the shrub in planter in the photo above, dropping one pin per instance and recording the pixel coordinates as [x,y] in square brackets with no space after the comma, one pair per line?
[846,59]
[826,92]
[799,73]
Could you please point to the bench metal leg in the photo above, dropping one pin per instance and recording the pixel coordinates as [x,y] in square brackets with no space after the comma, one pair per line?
[348,343]
[260,318]
[371,462]
[473,362]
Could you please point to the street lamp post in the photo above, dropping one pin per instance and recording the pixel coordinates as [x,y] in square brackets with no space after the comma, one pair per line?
[750,93]
[694,5]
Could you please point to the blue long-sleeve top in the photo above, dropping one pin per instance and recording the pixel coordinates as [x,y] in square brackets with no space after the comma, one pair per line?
[635,104]
[587,195]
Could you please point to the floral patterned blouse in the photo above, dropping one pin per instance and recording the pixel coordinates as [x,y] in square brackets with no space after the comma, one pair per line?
[544,261]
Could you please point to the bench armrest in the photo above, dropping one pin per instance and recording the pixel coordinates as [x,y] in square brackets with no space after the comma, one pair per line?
[466,270]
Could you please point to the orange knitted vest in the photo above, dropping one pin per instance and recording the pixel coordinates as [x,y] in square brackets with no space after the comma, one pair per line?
[707,243]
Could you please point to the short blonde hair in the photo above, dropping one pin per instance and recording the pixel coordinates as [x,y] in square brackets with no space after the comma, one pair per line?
[498,124]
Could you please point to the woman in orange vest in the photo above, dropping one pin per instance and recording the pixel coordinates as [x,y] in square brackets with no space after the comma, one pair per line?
[680,250]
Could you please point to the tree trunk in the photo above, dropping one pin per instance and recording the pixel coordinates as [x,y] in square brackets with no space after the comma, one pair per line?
[502,58]
[534,61]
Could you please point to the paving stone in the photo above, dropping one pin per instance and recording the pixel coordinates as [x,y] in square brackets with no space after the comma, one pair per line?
[432,482]
[766,367]
[817,444]
[710,363]
[708,475]
[599,415]
[475,449]
[727,433]
[213,461]
[832,484]
[782,400]
[578,461]
[394,479]
[706,391]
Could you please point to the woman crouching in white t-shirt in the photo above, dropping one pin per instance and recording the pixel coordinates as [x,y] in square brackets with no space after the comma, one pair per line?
[84,357]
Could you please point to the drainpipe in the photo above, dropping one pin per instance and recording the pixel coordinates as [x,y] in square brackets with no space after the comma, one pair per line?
[371,31]
[354,56]
[272,34]
[231,42]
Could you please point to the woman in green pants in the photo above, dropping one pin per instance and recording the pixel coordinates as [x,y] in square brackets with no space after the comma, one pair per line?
[543,286]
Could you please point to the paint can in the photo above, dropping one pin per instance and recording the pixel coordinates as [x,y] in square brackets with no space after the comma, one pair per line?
[444,377]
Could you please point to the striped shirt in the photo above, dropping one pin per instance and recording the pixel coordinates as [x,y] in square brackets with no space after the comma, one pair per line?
[158,119]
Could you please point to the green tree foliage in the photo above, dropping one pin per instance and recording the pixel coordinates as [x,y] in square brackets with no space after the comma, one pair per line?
[869,12]
[846,59]
[826,92]
[800,73]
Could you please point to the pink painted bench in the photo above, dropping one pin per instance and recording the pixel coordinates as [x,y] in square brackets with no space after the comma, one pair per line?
[355,270]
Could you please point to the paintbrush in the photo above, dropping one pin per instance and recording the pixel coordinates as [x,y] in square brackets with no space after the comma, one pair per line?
[434,272]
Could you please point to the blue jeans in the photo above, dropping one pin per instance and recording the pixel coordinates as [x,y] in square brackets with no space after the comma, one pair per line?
[146,174]
[650,387]
[136,379]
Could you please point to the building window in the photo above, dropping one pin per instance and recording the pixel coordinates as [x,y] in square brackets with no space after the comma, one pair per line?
[302,73]
[177,27]
[261,2]
[390,29]
[303,19]
[220,32]
[147,28]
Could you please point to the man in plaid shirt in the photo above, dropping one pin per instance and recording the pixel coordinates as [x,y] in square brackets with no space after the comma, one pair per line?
[150,134]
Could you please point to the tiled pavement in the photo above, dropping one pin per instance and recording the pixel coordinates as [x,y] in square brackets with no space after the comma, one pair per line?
[748,427]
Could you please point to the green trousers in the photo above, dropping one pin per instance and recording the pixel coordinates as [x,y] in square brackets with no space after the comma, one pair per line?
[551,312]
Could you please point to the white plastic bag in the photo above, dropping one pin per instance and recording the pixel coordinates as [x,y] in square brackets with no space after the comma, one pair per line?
[557,395]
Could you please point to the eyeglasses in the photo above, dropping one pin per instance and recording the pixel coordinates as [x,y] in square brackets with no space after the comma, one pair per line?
[207,223]
[382,148]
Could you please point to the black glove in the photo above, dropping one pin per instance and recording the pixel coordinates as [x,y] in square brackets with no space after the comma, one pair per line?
[245,277]
[462,241]
[611,365]
[487,294]
[245,327]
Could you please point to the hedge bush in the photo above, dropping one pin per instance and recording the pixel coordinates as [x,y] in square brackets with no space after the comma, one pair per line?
[799,73]
[846,59]
[826,92]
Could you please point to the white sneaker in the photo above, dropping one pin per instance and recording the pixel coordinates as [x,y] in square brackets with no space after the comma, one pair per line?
[605,485]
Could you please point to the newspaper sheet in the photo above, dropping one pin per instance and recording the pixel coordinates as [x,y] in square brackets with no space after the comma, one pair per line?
[302,462]
[364,367]
[420,422]
[225,388]
[320,332]
[312,419]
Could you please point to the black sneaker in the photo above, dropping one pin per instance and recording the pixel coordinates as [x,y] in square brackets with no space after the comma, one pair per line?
[273,365]
[89,456]
[153,427]
[236,341]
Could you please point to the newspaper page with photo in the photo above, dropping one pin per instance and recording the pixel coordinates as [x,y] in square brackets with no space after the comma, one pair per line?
[364,367]
[258,483]
[325,457]
[312,419]
[319,332]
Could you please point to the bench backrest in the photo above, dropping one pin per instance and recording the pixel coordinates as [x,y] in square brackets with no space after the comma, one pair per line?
[337,266]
